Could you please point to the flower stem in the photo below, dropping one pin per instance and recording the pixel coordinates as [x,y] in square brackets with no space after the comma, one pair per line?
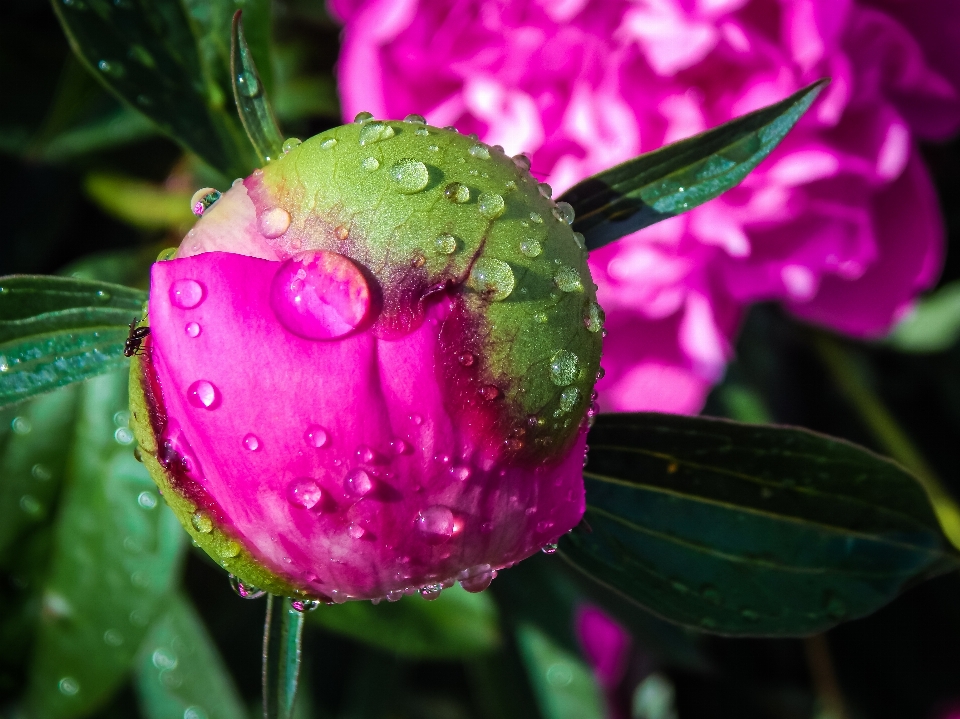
[849,378]
[824,677]
[282,635]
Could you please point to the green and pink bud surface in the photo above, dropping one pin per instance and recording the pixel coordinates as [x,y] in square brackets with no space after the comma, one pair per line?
[370,367]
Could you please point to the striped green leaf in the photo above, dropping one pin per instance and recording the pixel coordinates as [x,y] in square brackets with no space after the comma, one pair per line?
[747,529]
[58,330]
[676,178]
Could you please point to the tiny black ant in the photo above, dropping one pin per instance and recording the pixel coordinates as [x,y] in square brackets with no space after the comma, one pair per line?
[137,334]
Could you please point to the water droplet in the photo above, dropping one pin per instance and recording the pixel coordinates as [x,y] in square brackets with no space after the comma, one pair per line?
[164,658]
[491,205]
[320,295]
[195,712]
[328,144]
[290,144]
[374,131]
[167,254]
[580,240]
[594,318]
[304,605]
[147,499]
[21,425]
[273,222]
[112,68]
[400,447]
[370,164]
[476,579]
[202,200]
[492,278]
[395,595]
[112,638]
[304,493]
[569,398]
[415,119]
[432,148]
[565,213]
[244,590]
[123,435]
[436,523]
[431,591]
[467,359]
[522,162]
[192,329]
[489,392]
[362,117]
[30,505]
[251,442]
[564,367]
[41,472]
[480,152]
[69,686]
[559,675]
[102,296]
[545,190]
[410,175]
[531,247]
[247,84]
[203,394]
[445,244]
[549,548]
[316,436]
[567,279]
[456,192]
[359,483]
[201,522]
[509,185]
[421,132]
[186,294]
[229,549]
[460,473]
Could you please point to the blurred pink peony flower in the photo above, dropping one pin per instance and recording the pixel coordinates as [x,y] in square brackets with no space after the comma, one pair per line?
[840,223]
[334,396]
[606,644]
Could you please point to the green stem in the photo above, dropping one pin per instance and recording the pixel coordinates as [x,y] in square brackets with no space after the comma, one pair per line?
[282,635]
[848,377]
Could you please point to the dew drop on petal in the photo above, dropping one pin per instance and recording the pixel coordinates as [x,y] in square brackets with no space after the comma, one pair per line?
[436,523]
[290,144]
[192,329]
[480,152]
[370,164]
[545,190]
[566,212]
[594,317]
[550,548]
[329,143]
[456,192]
[201,522]
[374,131]
[202,200]
[492,278]
[564,368]
[203,394]
[359,483]
[273,222]
[320,295]
[531,247]
[186,294]
[399,447]
[251,442]
[460,473]
[476,579]
[567,279]
[316,436]
[415,119]
[431,591]
[304,493]
[245,590]
[411,176]
[445,244]
[534,217]
[467,359]
[491,205]
[569,398]
[304,605]
[362,117]
[489,392]
[522,162]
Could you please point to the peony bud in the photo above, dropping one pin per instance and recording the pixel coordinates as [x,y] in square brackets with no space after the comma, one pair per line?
[369,366]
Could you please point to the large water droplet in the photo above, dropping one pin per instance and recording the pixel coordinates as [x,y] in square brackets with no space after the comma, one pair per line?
[564,367]
[445,244]
[531,247]
[375,131]
[567,279]
[362,117]
[316,436]
[304,492]
[186,294]
[229,549]
[410,175]
[491,205]
[457,192]
[565,212]
[247,84]
[290,144]
[545,190]
[147,499]
[476,579]
[202,199]
[203,394]
[251,442]
[436,523]
[594,318]
[244,590]
[359,483]
[431,591]
[192,329]
[320,295]
[273,222]
[201,522]
[492,278]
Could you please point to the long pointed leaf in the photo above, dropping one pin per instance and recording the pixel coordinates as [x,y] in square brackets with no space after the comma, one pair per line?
[251,98]
[746,529]
[678,177]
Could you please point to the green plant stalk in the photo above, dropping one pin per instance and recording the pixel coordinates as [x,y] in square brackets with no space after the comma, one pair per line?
[282,636]
[843,368]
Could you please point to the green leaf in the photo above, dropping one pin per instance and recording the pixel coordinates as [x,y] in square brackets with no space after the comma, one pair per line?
[457,624]
[933,325]
[139,203]
[58,330]
[251,97]
[170,60]
[180,674]
[117,551]
[745,529]
[676,178]
[563,683]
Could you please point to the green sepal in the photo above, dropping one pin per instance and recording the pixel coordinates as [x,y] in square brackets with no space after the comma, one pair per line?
[678,177]
[748,529]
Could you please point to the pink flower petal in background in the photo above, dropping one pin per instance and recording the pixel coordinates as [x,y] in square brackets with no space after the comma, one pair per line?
[840,223]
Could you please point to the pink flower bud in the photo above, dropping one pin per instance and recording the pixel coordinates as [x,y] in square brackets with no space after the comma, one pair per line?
[369,366]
